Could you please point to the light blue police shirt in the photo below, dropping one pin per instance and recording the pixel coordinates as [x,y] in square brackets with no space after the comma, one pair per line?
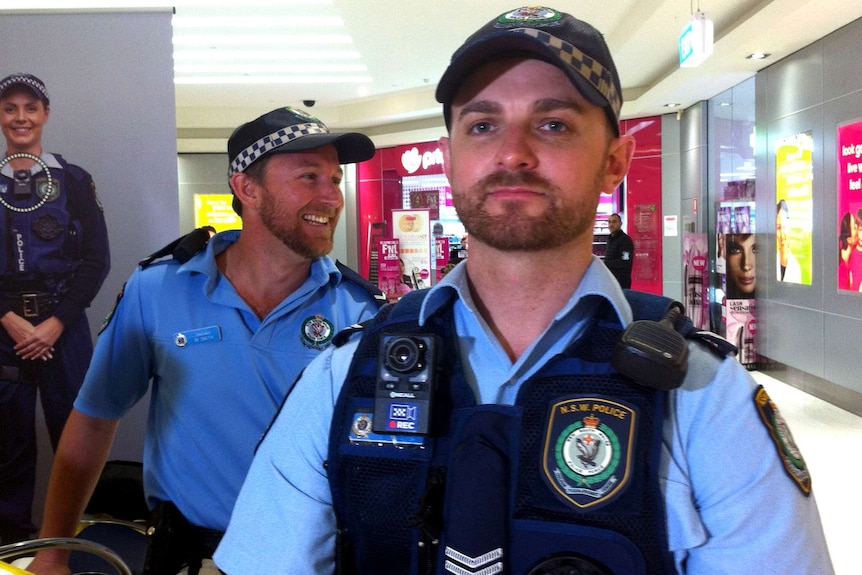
[731,508]
[218,373]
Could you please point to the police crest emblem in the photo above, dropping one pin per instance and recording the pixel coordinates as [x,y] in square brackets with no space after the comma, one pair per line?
[588,450]
[317,332]
[779,432]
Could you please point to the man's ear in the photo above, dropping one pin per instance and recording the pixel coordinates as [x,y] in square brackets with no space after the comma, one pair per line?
[443,142]
[244,189]
[620,153]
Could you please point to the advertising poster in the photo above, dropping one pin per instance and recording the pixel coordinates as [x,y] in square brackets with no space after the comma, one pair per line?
[850,207]
[694,257]
[389,269]
[426,199]
[740,265]
[741,329]
[441,255]
[215,210]
[794,175]
[412,229]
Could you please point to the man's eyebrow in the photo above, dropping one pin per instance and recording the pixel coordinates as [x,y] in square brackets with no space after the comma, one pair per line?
[553,104]
[479,107]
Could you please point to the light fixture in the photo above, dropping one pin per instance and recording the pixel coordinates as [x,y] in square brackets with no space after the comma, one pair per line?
[672,105]
[758,56]
[695,41]
[264,42]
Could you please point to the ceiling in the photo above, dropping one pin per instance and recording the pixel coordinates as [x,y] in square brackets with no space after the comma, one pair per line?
[395,50]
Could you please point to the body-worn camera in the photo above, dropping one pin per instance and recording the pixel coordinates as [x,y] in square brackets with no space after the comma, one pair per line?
[405,384]
[22,183]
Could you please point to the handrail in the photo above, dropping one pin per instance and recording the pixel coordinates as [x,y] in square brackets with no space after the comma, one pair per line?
[25,547]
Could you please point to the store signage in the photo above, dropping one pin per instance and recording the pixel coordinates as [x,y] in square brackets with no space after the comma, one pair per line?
[412,159]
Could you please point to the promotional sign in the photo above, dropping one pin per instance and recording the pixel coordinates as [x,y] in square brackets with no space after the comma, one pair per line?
[741,328]
[794,174]
[694,255]
[426,200]
[412,228]
[849,157]
[441,255]
[389,269]
[215,210]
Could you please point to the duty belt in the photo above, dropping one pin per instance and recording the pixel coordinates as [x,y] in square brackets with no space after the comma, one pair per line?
[31,304]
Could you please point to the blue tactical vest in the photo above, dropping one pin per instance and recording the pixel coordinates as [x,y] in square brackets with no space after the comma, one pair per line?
[42,244]
[563,482]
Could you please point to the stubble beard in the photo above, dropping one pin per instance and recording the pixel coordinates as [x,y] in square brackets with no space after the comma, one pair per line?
[288,228]
[567,216]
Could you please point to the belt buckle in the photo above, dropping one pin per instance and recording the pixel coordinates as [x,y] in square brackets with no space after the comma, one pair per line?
[30,304]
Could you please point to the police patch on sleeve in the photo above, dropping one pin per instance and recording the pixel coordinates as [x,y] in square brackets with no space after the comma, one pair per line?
[110,315]
[789,453]
[589,444]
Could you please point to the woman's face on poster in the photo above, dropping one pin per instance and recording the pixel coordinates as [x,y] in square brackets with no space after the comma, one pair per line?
[741,264]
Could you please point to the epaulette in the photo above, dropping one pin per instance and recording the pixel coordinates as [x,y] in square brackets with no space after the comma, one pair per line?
[183,248]
[354,277]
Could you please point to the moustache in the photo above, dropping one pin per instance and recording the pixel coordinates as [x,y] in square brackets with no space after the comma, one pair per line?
[514,180]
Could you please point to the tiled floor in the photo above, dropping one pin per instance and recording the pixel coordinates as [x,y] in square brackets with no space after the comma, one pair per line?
[830,440]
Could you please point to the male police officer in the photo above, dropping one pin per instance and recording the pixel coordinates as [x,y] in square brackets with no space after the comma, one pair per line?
[222,339]
[484,427]
[53,261]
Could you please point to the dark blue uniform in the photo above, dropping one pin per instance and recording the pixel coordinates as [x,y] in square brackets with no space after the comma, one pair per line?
[53,262]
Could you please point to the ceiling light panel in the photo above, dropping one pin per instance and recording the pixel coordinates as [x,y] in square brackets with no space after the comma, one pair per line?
[265,44]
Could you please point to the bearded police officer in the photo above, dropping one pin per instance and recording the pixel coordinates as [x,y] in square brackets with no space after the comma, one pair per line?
[219,341]
[497,424]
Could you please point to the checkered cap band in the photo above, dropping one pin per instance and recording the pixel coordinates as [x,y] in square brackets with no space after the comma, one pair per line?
[268,143]
[26,80]
[588,68]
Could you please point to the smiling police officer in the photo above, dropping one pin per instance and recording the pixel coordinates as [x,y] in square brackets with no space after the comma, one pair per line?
[218,340]
[53,262]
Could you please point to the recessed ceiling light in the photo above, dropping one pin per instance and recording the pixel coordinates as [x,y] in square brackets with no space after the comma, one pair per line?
[758,56]
[672,105]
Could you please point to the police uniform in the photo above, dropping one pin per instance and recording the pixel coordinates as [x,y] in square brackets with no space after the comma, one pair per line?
[732,496]
[54,260]
[218,373]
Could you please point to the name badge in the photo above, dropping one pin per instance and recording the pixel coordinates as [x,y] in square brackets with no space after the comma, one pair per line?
[195,336]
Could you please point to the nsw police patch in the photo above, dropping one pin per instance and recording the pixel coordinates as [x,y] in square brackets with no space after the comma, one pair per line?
[47,192]
[317,332]
[587,455]
[110,315]
[789,453]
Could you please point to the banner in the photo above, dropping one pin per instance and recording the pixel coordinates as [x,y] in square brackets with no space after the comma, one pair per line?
[794,174]
[849,230]
[412,228]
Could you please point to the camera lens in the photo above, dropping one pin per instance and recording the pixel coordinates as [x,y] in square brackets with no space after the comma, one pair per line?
[403,354]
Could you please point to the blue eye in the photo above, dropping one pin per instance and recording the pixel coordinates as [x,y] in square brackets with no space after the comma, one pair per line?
[555,126]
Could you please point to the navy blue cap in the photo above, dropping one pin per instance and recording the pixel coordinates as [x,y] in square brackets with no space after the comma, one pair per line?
[572,45]
[29,81]
[291,130]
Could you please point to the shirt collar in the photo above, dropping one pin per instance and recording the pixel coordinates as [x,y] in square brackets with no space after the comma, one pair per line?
[49,160]
[323,269]
[597,282]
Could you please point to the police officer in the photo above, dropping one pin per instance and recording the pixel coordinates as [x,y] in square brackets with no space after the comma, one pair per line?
[485,425]
[219,341]
[53,262]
